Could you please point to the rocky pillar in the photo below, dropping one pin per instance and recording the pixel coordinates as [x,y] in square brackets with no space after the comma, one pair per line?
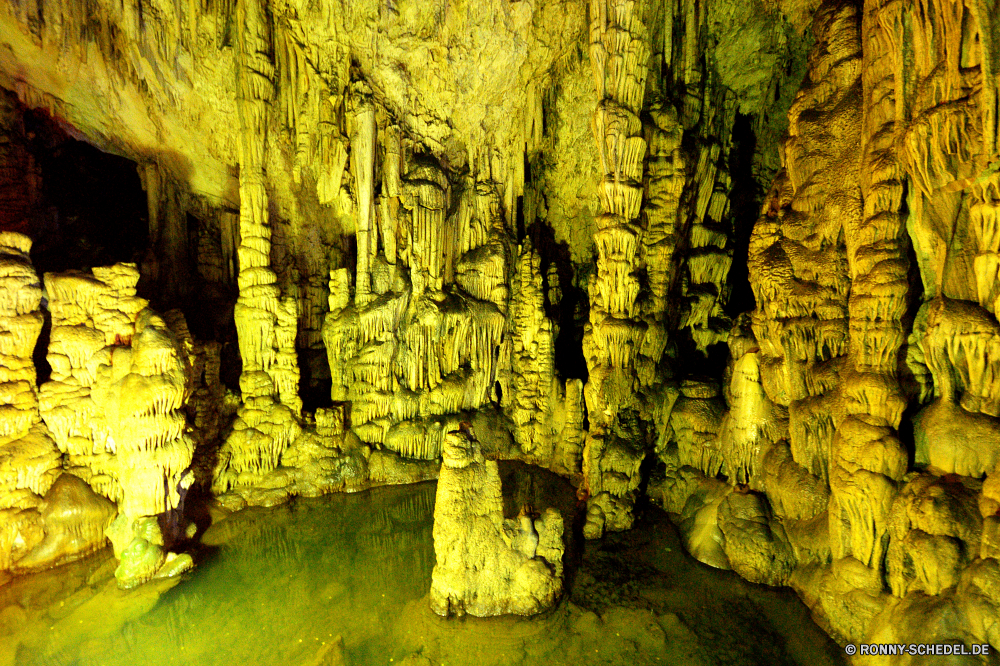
[863,485]
[266,323]
[29,459]
[619,51]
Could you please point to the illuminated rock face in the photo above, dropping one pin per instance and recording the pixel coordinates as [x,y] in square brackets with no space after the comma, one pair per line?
[833,499]
[443,316]
[415,192]
[408,355]
[117,387]
[115,400]
[619,52]
[29,459]
[109,414]
[487,565]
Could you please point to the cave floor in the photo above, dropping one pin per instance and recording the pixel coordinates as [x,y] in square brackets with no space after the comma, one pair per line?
[277,586]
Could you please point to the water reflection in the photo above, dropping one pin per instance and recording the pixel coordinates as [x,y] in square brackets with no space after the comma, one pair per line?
[279,586]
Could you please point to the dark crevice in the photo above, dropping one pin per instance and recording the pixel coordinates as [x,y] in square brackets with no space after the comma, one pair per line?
[744,207]
[315,383]
[93,209]
[43,371]
[519,219]
[570,312]
[230,365]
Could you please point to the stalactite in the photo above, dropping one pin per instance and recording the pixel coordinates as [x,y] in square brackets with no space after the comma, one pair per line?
[415,357]
[363,169]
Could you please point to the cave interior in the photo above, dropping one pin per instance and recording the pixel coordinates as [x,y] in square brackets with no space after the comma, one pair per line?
[499,331]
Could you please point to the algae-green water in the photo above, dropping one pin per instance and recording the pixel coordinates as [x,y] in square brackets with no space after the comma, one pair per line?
[281,584]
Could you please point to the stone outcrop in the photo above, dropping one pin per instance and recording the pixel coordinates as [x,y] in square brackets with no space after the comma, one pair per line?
[46,517]
[488,565]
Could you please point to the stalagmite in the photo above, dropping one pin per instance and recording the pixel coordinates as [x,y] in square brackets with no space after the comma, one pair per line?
[141,393]
[750,424]
[487,565]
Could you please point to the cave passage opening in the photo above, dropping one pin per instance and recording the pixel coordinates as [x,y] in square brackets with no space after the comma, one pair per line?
[82,207]
[90,210]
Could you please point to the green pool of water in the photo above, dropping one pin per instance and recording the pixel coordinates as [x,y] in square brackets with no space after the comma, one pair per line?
[280,584]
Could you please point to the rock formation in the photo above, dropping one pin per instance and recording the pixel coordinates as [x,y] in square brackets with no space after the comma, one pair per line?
[114,402]
[488,565]
[410,356]
[830,499]
[742,257]
[45,517]
[110,412]
[266,322]
[615,336]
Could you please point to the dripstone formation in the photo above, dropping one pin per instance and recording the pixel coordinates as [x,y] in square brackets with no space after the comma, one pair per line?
[738,259]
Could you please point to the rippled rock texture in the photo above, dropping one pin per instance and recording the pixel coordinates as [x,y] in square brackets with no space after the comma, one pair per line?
[738,259]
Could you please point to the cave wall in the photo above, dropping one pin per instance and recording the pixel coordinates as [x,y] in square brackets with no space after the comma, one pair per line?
[521,221]
[860,430]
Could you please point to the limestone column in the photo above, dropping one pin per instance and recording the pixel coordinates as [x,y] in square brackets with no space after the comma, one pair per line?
[863,484]
[363,170]
[619,51]
[265,322]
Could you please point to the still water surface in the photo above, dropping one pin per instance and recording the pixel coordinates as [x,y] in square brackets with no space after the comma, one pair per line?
[276,586]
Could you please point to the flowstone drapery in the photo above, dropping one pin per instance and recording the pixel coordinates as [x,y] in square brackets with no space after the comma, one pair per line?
[443,317]
[412,358]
